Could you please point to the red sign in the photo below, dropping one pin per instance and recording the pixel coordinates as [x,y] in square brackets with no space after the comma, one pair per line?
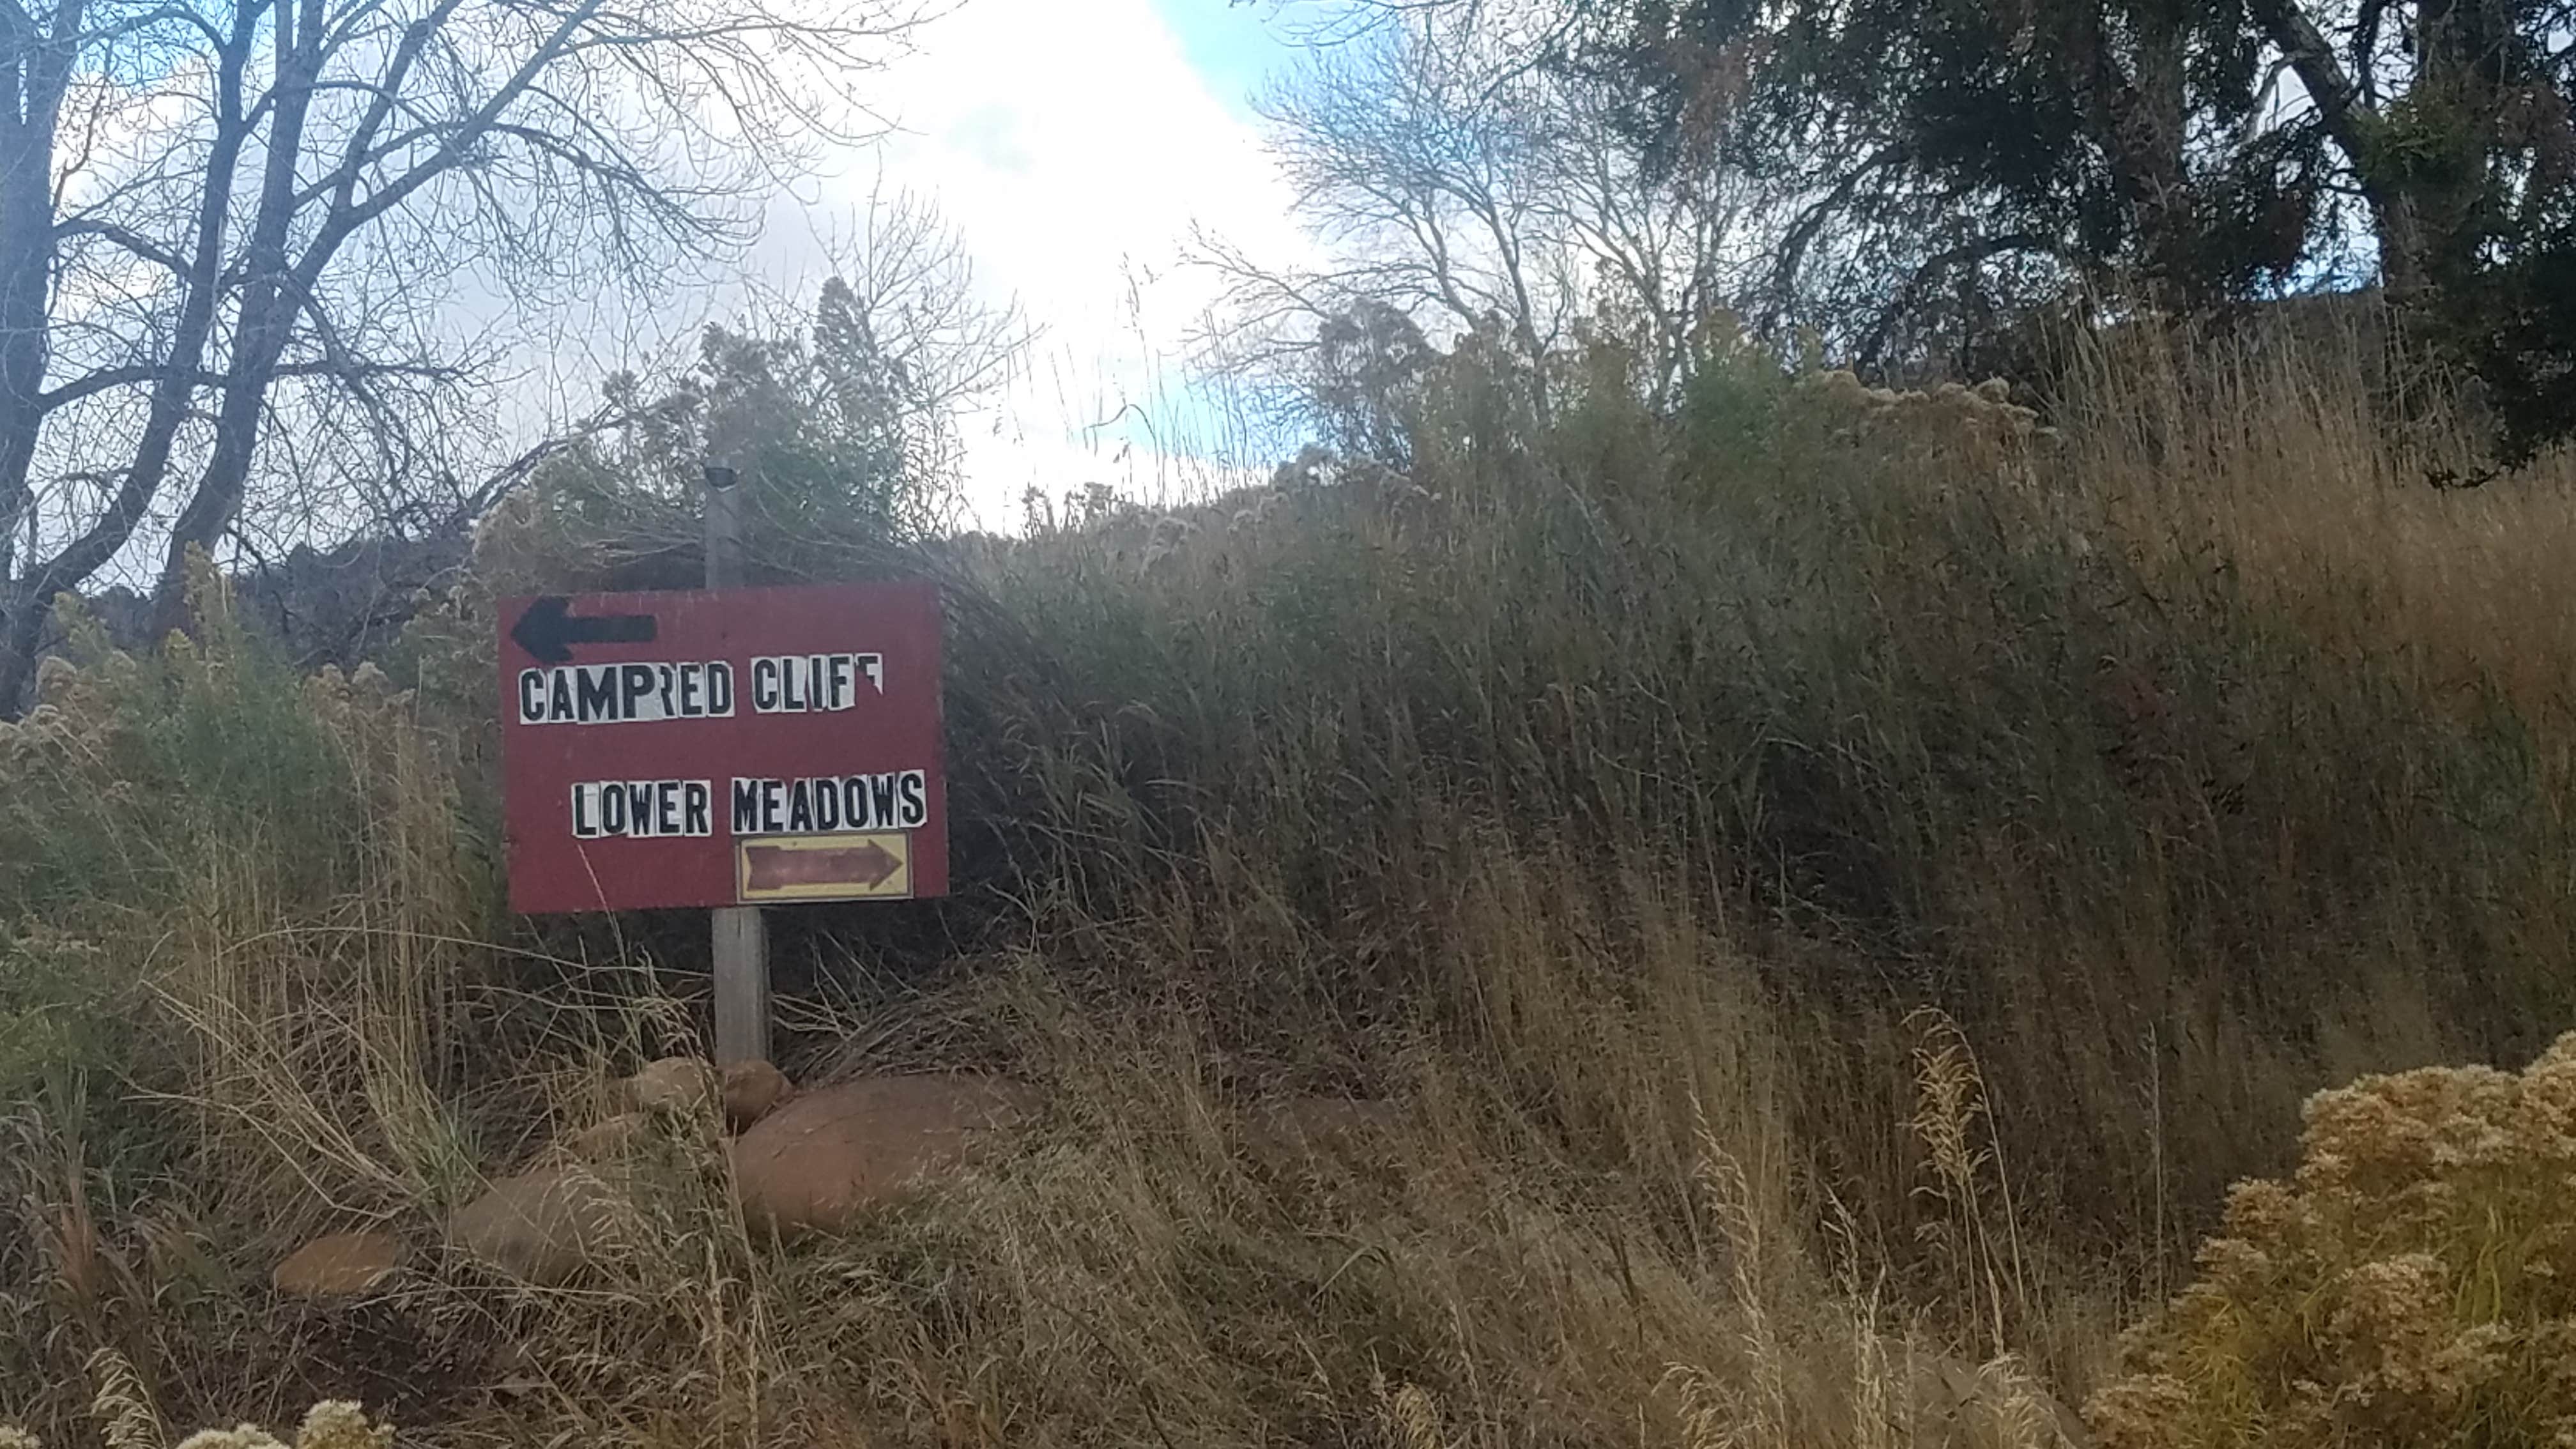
[722,748]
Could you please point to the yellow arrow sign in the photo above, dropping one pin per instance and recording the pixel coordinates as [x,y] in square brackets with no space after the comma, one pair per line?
[824,867]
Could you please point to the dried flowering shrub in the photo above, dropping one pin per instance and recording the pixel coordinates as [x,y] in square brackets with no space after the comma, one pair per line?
[333,1424]
[1953,428]
[330,1425]
[2412,1283]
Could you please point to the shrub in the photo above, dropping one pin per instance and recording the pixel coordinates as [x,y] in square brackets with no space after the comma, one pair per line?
[235,904]
[332,1424]
[2414,1282]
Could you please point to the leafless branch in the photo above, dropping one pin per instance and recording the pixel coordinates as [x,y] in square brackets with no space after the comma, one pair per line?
[193,264]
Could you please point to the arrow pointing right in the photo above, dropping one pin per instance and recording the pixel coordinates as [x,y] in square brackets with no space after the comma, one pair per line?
[778,867]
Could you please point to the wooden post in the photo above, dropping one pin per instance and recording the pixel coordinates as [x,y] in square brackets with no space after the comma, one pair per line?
[741,935]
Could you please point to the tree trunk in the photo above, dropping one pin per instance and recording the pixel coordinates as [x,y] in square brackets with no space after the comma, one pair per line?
[2405,263]
[17,654]
[37,68]
[262,326]
[25,602]
[2457,98]
[2404,255]
[2139,109]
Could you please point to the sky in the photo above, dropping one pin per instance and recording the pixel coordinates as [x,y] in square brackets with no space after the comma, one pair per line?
[1073,144]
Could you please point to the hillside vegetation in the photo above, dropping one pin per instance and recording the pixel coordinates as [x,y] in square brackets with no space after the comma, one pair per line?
[1834,887]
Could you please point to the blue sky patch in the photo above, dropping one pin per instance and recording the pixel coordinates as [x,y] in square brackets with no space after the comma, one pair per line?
[1235,44]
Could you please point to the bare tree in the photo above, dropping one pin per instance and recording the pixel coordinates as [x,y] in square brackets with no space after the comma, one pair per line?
[1460,182]
[228,230]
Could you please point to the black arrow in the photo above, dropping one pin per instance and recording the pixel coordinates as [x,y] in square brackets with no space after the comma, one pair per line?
[548,630]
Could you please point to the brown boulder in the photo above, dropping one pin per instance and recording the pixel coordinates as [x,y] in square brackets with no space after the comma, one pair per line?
[679,1086]
[752,1090]
[342,1265]
[540,1226]
[835,1152]
[612,1139]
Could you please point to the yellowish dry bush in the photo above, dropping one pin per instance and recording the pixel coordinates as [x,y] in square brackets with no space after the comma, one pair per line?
[331,1424]
[2413,1282]
[1963,429]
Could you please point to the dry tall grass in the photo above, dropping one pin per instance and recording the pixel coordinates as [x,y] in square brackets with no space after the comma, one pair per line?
[1829,888]
[2280,460]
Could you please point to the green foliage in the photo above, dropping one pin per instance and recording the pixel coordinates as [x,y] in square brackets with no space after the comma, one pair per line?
[130,765]
[235,903]
[1956,165]
[2072,134]
[1362,382]
[152,805]
[2515,323]
[64,1003]
[827,429]
[131,777]
[1732,406]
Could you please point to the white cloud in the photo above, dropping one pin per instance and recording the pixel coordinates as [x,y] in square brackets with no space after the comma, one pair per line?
[1073,145]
